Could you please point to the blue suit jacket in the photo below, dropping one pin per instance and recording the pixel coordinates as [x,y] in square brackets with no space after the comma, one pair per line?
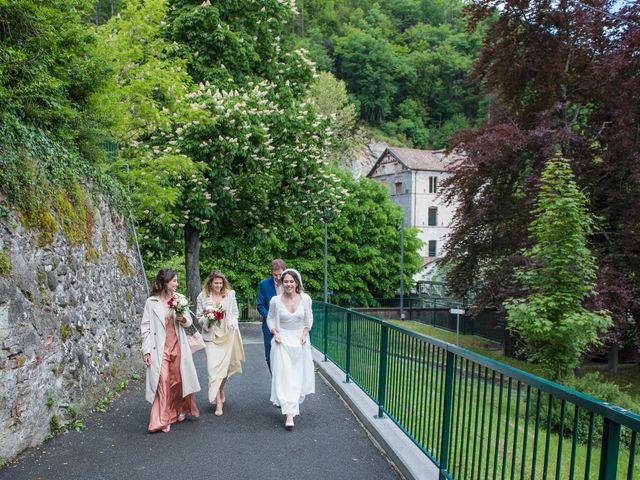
[266,291]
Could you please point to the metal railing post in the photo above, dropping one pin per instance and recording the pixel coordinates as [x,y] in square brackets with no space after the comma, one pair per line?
[382,373]
[609,450]
[348,359]
[446,414]
[433,312]
[325,331]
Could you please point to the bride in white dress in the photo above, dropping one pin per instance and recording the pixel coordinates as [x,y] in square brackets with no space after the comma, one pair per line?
[290,320]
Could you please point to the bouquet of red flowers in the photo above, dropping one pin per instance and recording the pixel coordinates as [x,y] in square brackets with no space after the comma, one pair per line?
[179,304]
[214,313]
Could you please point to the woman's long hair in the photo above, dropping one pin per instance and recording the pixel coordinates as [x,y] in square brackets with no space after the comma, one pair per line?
[165,275]
[208,283]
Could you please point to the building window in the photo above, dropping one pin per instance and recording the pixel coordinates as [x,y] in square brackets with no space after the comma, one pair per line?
[433,216]
[398,188]
[433,248]
[433,184]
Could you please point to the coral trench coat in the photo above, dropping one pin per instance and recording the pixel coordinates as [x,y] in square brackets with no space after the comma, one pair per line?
[154,334]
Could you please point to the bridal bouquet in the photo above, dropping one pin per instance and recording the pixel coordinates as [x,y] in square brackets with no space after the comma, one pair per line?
[213,314]
[179,304]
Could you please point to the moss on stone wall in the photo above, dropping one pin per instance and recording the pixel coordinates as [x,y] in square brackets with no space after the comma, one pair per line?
[105,241]
[39,219]
[20,361]
[74,215]
[69,208]
[5,264]
[124,265]
[65,332]
[92,254]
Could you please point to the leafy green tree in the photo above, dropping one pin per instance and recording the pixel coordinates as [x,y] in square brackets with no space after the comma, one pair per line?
[103,10]
[152,87]
[403,13]
[552,322]
[437,12]
[555,77]
[332,101]
[51,76]
[406,63]
[152,81]
[409,124]
[232,147]
[230,44]
[374,70]
[363,248]
[442,57]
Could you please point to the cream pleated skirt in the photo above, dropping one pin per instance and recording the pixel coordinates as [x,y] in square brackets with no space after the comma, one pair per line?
[224,355]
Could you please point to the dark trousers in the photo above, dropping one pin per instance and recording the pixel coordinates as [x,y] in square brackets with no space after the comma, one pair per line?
[267,342]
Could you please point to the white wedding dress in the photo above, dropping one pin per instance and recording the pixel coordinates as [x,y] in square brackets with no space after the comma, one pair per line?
[291,363]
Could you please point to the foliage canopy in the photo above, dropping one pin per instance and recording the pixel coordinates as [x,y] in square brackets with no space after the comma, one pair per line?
[559,74]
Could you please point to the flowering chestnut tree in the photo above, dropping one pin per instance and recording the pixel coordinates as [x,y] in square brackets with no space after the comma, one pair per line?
[242,150]
[246,165]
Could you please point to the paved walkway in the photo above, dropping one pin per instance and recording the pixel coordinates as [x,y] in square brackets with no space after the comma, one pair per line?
[247,442]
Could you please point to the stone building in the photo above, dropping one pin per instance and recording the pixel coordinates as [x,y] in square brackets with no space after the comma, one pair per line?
[414,179]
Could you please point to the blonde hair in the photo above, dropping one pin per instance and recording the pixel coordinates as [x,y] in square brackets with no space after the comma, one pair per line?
[208,284]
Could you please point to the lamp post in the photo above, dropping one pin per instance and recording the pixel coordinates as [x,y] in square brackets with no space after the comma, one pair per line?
[402,269]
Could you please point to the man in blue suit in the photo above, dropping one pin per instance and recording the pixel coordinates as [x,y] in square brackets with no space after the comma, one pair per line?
[269,288]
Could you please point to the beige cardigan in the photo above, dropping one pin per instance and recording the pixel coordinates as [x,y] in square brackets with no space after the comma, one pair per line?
[230,315]
[154,334]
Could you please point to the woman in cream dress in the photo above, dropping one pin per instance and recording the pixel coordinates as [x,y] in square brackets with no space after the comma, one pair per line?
[222,339]
[289,320]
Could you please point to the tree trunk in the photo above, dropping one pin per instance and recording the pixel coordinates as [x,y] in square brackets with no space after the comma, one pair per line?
[192,244]
[612,358]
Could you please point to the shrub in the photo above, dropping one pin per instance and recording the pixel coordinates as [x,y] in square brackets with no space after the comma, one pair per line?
[594,385]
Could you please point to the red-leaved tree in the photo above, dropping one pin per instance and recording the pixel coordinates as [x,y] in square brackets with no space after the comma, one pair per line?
[559,73]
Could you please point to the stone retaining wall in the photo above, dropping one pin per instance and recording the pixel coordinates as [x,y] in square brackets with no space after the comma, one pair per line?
[69,324]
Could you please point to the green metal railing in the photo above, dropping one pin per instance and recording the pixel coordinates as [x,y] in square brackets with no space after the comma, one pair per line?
[434,312]
[248,310]
[473,417]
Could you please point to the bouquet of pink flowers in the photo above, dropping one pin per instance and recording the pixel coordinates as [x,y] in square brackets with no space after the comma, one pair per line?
[179,304]
[213,314]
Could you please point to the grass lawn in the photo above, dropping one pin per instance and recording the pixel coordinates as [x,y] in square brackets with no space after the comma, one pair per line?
[628,376]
